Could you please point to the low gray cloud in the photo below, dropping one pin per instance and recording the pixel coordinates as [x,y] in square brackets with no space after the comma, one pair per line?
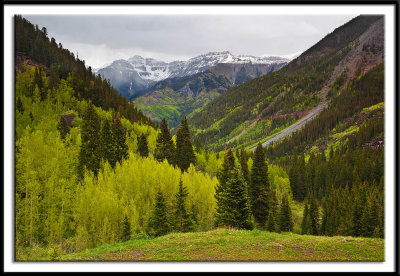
[101,39]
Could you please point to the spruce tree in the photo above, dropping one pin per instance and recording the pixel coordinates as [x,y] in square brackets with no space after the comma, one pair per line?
[226,173]
[244,167]
[90,154]
[107,143]
[285,216]
[238,211]
[126,229]
[184,148]
[181,217]
[63,127]
[165,148]
[314,215]
[119,140]
[259,187]
[20,106]
[143,148]
[272,225]
[158,224]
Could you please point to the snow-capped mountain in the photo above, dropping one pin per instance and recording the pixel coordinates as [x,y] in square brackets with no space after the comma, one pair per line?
[136,74]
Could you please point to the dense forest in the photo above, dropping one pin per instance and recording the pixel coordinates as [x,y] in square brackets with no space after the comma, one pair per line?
[91,169]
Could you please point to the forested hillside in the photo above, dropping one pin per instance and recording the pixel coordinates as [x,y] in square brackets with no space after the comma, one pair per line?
[59,63]
[262,107]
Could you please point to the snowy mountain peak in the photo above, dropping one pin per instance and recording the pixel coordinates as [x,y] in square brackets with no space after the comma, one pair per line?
[149,70]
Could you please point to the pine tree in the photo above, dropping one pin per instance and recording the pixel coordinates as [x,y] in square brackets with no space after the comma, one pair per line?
[238,211]
[158,222]
[90,154]
[20,106]
[126,229]
[184,148]
[285,216]
[63,127]
[119,140]
[165,148]
[226,173]
[259,187]
[142,145]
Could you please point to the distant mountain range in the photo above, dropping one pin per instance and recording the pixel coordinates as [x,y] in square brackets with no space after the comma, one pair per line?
[133,77]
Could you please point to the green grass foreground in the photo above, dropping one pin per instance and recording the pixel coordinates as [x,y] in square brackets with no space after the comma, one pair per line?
[237,245]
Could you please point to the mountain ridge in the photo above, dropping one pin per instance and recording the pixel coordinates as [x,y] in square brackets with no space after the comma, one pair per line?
[136,74]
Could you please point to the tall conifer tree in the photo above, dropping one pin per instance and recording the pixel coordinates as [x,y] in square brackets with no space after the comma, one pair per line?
[226,173]
[238,211]
[183,222]
[143,148]
[285,216]
[259,187]
[63,127]
[90,155]
[158,223]
[119,138]
[107,143]
[184,148]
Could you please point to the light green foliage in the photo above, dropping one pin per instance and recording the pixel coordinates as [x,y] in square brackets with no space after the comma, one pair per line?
[132,187]
[45,187]
[279,182]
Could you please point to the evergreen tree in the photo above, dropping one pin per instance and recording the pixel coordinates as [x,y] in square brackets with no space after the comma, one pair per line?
[226,173]
[272,225]
[314,216]
[357,212]
[107,143]
[244,167]
[31,116]
[165,148]
[142,145]
[158,222]
[259,187]
[119,141]
[184,148]
[20,106]
[90,154]
[126,229]
[238,211]
[181,217]
[285,216]
[63,127]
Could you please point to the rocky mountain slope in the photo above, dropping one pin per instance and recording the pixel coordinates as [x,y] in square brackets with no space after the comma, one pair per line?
[266,107]
[134,76]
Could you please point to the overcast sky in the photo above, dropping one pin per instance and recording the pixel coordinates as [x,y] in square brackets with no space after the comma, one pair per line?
[103,39]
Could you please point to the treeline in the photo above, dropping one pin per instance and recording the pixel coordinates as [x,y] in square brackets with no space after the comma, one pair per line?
[344,195]
[61,64]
